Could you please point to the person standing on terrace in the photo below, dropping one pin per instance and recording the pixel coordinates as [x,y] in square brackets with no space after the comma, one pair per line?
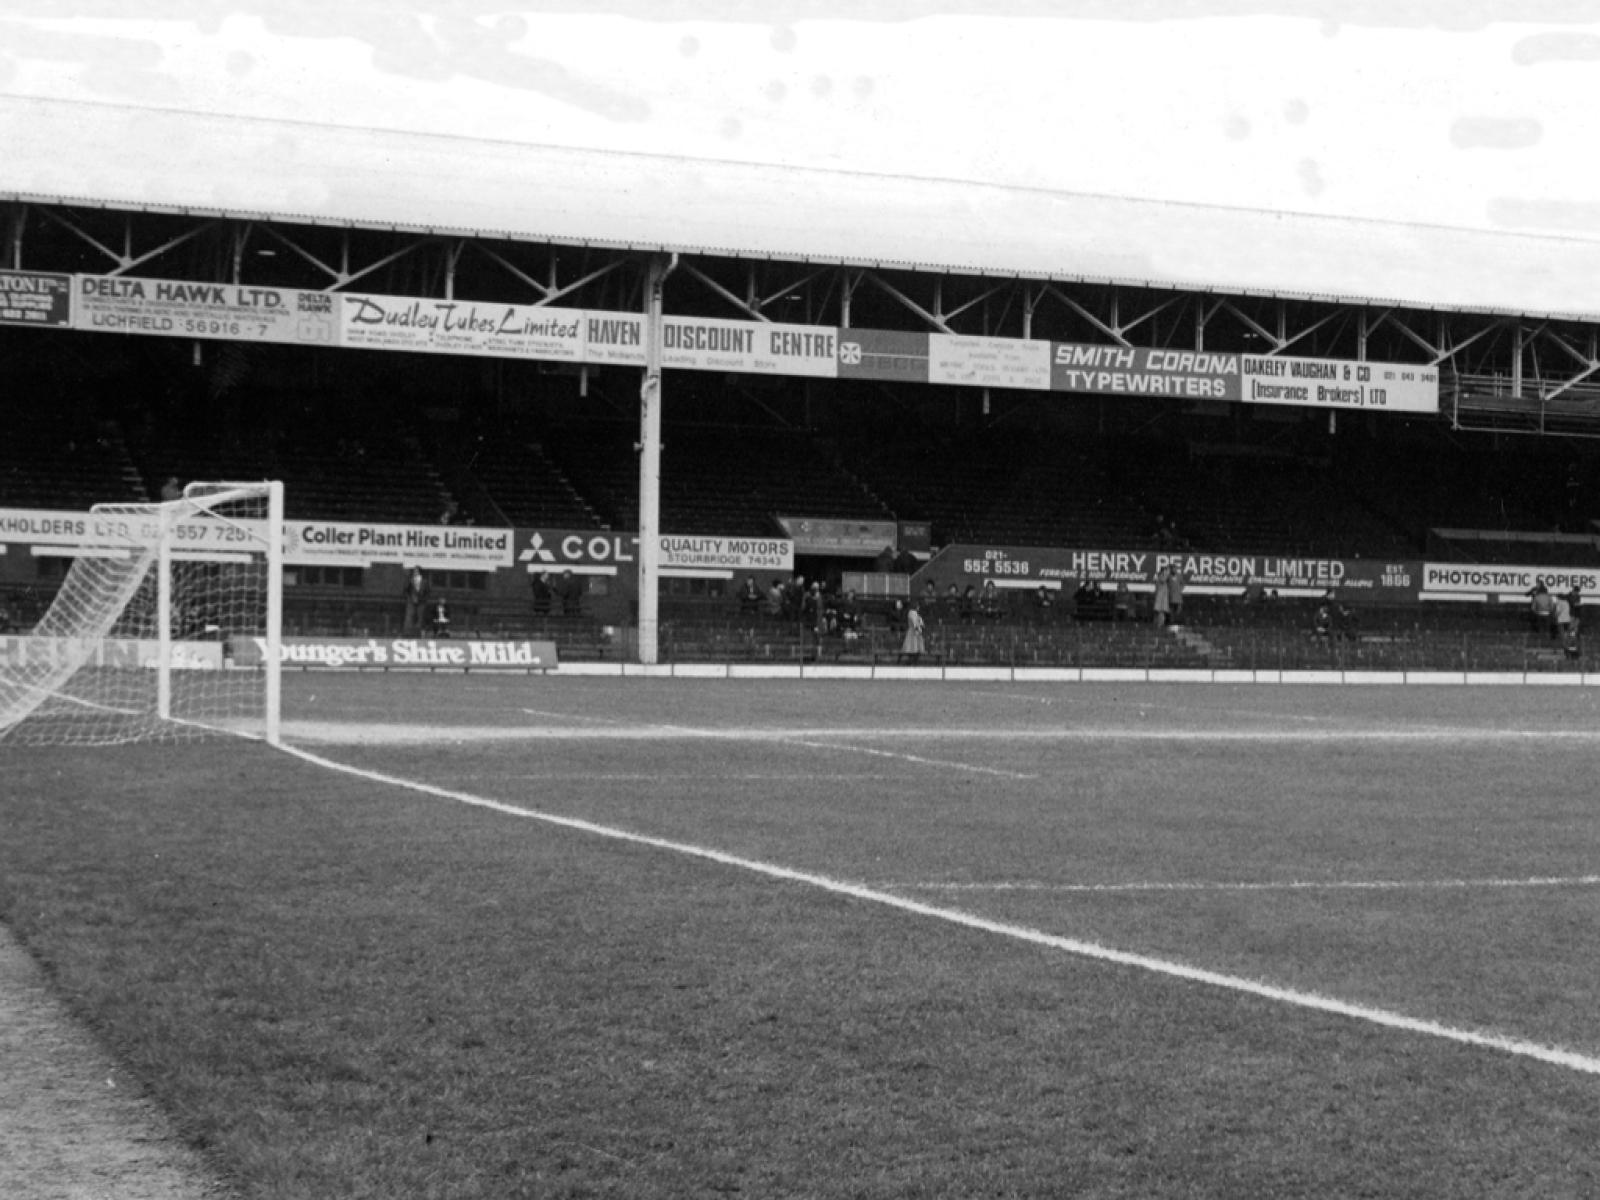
[1161,602]
[415,593]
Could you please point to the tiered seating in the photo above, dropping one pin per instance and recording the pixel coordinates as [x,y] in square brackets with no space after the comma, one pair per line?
[1258,503]
[713,481]
[381,477]
[527,487]
[46,462]
[1009,487]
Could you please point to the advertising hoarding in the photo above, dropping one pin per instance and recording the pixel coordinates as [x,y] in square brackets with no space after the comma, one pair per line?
[1132,371]
[400,653]
[219,311]
[35,298]
[1336,384]
[359,544]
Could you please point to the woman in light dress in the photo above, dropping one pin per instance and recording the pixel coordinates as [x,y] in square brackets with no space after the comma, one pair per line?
[914,644]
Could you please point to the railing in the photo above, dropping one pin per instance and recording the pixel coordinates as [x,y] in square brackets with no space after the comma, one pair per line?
[1130,645]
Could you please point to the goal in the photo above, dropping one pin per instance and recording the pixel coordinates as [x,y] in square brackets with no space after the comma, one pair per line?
[166,627]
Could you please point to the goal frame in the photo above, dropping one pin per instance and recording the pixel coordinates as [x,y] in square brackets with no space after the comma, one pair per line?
[153,581]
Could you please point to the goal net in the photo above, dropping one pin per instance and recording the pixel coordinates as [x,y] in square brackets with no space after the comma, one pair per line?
[165,628]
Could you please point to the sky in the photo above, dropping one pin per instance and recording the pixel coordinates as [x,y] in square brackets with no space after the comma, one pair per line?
[1465,115]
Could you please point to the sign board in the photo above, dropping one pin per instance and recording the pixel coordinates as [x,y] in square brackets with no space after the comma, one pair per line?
[1474,581]
[523,331]
[443,547]
[1336,384]
[230,312]
[401,653]
[1218,574]
[1131,371]
[113,653]
[831,535]
[35,298]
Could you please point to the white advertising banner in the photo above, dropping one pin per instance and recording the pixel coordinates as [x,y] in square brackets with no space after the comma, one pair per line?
[989,362]
[113,653]
[1479,581]
[708,344]
[390,653]
[460,327]
[728,554]
[102,531]
[353,544]
[1335,384]
[228,311]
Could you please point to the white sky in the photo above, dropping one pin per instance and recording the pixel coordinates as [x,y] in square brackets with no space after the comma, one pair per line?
[1434,112]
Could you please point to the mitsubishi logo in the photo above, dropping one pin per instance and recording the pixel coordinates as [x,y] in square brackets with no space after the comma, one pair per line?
[536,550]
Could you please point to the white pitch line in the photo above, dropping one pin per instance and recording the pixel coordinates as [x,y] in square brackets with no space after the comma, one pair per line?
[1553,1055]
[901,756]
[390,733]
[693,777]
[567,716]
[915,758]
[1286,885]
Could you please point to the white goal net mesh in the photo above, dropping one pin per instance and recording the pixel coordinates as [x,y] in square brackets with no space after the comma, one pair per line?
[161,628]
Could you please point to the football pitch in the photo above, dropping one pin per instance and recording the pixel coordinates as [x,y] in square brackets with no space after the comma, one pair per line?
[479,936]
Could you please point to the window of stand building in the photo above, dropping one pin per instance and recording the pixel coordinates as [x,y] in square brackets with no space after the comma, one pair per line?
[344,577]
[52,568]
[695,588]
[473,581]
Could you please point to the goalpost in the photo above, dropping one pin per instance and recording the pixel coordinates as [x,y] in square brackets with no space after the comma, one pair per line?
[166,627]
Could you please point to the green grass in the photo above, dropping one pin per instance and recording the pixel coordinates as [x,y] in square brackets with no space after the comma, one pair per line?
[339,988]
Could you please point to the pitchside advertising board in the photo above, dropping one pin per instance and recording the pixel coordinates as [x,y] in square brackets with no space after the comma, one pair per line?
[1509,584]
[586,552]
[111,653]
[1215,574]
[171,308]
[388,654]
[435,547]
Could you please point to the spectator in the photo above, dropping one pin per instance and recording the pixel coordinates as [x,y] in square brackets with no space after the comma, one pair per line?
[542,592]
[749,597]
[897,617]
[1175,586]
[794,596]
[990,603]
[172,489]
[451,512]
[416,594]
[812,610]
[884,563]
[775,599]
[1322,619]
[969,604]
[1541,608]
[439,620]
[952,603]
[1571,640]
[1161,602]
[1122,603]
[1043,604]
[571,590]
[930,595]
[1562,617]
[850,616]
[914,646]
[1345,622]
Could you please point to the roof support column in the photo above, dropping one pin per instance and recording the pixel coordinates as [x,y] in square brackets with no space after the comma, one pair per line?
[650,461]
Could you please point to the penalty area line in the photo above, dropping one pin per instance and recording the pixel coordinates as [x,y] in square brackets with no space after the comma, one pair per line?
[1271,885]
[1552,1055]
